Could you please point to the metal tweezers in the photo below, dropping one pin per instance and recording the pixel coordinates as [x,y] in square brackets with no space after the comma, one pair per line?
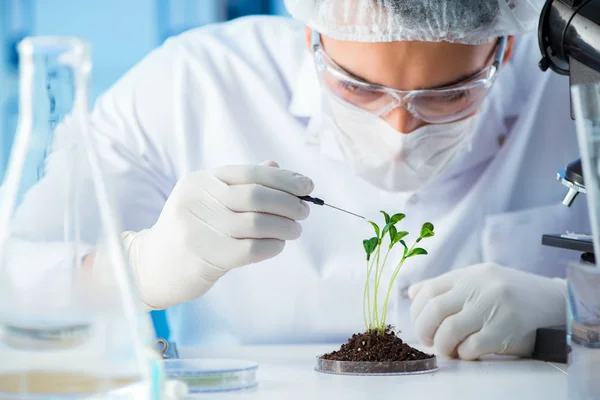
[166,349]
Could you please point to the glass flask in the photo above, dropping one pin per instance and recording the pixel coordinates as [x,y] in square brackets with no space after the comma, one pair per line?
[71,323]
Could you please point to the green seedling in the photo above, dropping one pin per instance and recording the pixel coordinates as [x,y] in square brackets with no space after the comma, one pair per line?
[375,317]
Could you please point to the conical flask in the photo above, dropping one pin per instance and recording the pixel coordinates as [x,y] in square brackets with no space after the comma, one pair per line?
[71,322]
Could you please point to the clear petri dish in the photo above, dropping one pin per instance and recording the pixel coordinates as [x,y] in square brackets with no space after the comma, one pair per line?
[213,375]
[376,368]
[44,336]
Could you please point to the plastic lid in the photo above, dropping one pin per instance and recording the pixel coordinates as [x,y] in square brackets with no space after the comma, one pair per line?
[213,375]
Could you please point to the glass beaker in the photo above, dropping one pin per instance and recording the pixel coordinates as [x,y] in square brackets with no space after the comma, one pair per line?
[584,279]
[71,322]
[586,107]
[584,356]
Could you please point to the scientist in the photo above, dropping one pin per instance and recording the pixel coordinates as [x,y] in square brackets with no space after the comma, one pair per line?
[435,109]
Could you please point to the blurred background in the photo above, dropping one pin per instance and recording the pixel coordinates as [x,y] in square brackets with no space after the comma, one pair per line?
[120,32]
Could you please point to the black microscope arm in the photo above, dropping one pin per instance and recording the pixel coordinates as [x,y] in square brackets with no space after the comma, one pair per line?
[574,173]
[572,178]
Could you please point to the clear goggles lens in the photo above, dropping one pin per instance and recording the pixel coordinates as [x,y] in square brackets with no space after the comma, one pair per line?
[431,106]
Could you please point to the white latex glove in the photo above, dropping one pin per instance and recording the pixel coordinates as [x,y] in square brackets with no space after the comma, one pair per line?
[486,309]
[215,221]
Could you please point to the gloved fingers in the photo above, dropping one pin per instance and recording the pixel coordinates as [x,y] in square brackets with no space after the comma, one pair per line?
[451,276]
[275,178]
[414,290]
[252,225]
[434,313]
[256,250]
[427,290]
[242,225]
[270,164]
[479,344]
[454,330]
[256,198]
[224,253]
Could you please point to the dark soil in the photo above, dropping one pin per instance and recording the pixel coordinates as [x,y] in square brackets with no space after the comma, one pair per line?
[376,347]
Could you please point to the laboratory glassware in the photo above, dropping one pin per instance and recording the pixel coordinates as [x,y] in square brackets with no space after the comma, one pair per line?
[207,375]
[71,323]
[584,278]
[376,368]
[16,22]
[584,332]
[586,106]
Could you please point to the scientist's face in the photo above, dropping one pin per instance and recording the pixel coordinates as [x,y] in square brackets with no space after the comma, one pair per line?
[410,66]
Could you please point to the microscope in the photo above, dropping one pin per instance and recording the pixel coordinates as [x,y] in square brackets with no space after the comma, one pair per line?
[569,39]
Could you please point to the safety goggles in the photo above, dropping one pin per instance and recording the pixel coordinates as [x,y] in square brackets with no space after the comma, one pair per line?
[434,106]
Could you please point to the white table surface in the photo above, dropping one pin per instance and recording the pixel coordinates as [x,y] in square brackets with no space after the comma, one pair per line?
[287,373]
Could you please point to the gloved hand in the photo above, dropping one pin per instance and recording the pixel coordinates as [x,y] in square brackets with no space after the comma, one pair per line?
[215,221]
[486,309]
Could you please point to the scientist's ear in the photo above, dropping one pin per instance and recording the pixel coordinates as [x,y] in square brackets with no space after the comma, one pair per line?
[510,47]
[307,33]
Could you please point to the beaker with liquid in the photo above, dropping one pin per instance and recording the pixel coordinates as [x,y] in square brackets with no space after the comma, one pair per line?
[71,323]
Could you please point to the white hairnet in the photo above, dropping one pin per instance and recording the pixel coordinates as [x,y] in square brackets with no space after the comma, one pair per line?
[456,21]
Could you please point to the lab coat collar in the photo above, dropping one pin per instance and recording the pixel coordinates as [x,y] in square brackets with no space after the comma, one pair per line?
[306,96]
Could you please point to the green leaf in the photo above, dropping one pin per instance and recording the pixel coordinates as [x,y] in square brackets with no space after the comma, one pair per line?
[386,216]
[416,252]
[375,227]
[399,236]
[427,229]
[366,247]
[392,233]
[386,228]
[397,218]
[370,245]
[403,243]
[426,233]
[373,242]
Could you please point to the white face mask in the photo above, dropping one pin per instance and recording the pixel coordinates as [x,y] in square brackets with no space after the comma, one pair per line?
[389,159]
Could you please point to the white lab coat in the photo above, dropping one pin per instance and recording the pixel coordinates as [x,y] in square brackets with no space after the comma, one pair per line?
[245,92]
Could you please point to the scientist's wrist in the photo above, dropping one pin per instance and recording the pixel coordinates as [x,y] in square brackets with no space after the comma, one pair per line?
[133,243]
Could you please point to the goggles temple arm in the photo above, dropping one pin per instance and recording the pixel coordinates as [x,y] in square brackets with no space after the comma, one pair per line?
[500,52]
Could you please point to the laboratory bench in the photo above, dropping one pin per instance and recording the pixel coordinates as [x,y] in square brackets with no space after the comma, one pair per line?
[287,373]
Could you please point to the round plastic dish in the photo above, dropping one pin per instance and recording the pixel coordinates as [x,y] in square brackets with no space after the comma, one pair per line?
[213,375]
[44,336]
[376,368]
